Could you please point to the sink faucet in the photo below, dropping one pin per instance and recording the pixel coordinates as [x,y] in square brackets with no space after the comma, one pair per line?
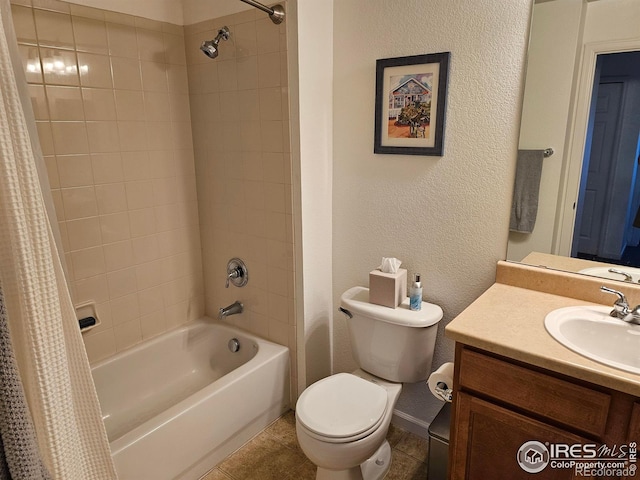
[233,309]
[621,308]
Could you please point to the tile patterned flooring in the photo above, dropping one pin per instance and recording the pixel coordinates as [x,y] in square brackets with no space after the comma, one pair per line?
[274,454]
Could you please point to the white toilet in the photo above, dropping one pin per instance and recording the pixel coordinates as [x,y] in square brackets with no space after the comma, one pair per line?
[342,420]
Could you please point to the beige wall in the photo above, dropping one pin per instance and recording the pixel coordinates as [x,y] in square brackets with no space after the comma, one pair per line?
[444,217]
[117,143]
[240,118]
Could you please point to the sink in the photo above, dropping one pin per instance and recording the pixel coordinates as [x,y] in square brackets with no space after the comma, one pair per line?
[604,272]
[592,333]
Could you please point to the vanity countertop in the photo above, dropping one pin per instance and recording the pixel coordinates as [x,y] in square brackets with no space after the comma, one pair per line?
[509,320]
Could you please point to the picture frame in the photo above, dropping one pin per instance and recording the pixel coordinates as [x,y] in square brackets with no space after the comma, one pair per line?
[411,102]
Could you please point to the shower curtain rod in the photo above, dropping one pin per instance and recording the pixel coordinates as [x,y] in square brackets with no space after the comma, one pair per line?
[276,14]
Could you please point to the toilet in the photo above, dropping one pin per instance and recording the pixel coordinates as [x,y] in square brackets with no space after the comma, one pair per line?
[342,420]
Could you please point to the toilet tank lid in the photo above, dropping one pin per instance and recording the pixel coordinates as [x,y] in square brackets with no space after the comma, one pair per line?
[356,300]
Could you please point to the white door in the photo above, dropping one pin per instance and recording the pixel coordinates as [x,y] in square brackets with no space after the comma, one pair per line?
[595,196]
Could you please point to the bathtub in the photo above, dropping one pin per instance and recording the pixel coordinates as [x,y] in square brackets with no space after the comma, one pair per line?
[177,405]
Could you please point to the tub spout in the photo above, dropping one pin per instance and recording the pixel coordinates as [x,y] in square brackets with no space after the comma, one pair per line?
[233,309]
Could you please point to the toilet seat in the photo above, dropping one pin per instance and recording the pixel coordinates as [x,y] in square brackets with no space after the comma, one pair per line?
[342,408]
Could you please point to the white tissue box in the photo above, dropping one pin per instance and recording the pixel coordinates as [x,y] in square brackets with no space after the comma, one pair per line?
[388,289]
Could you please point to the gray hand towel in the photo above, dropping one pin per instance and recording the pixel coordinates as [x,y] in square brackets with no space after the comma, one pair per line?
[524,206]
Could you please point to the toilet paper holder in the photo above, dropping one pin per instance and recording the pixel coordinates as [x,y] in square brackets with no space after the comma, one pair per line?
[443,390]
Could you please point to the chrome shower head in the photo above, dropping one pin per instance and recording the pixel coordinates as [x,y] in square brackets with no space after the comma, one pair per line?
[210,47]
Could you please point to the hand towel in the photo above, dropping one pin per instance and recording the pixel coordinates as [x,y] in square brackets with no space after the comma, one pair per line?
[524,206]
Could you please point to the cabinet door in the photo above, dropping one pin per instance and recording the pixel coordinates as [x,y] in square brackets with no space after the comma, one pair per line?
[487,439]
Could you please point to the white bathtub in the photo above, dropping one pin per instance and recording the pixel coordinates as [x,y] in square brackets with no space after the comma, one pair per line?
[177,405]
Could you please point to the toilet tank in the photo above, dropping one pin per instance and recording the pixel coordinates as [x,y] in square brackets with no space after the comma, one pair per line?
[391,343]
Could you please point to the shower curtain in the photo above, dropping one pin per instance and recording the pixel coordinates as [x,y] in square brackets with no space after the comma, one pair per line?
[48,347]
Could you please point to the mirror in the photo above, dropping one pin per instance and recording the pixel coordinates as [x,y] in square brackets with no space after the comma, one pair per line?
[583,56]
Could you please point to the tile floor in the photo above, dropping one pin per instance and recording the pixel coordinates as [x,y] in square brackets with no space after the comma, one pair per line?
[274,454]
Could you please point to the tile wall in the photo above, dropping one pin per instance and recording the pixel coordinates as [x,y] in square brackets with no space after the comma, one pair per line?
[111,99]
[240,121]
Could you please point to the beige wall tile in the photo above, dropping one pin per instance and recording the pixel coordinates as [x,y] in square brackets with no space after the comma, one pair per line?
[129,105]
[227,75]
[122,40]
[153,324]
[107,168]
[156,106]
[139,194]
[92,289]
[24,24]
[103,137]
[132,136]
[150,45]
[86,12]
[79,202]
[39,102]
[118,255]
[52,171]
[53,5]
[65,103]
[127,334]
[154,76]
[270,104]
[142,222]
[31,63]
[84,233]
[54,29]
[111,198]
[269,70]
[99,104]
[149,275]
[95,70]
[122,283]
[74,170]
[88,262]
[59,67]
[150,300]
[174,49]
[268,36]
[90,35]
[245,39]
[126,73]
[115,227]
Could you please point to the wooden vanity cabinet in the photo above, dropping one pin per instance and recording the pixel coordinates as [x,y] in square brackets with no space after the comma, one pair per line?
[500,404]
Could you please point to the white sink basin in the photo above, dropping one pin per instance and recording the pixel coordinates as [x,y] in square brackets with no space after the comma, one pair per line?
[591,332]
[603,272]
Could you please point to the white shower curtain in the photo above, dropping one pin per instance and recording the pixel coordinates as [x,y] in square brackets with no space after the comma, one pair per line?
[48,345]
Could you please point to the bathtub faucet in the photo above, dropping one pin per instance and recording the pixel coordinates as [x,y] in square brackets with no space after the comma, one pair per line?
[234,308]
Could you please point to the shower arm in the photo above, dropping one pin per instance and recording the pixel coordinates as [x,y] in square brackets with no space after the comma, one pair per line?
[276,14]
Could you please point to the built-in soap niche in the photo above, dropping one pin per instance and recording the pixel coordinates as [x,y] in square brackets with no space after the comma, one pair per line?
[87,316]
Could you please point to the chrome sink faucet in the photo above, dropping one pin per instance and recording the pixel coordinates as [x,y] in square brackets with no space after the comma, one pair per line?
[621,308]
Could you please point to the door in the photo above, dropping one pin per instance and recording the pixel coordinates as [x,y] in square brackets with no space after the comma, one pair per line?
[593,200]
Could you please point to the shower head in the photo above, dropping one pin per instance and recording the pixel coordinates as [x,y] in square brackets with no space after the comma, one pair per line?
[210,47]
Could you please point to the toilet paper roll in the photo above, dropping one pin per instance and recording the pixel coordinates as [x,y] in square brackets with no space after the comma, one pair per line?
[441,382]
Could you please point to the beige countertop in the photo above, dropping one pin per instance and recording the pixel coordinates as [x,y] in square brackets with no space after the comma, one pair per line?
[509,320]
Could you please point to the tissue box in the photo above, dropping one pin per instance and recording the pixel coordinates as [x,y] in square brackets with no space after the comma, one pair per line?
[388,289]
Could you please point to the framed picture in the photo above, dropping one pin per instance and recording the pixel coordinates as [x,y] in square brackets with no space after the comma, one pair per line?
[411,100]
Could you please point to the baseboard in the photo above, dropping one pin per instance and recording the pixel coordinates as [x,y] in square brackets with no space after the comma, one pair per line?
[410,423]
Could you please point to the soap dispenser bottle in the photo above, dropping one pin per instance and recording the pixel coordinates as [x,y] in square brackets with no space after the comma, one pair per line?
[415,294]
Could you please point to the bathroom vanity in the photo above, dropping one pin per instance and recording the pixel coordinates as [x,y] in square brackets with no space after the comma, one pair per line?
[515,384]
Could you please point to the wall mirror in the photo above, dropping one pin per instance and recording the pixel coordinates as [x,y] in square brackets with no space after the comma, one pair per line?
[582,98]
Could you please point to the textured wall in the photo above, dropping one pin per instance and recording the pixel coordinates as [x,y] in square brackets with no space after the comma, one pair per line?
[445,217]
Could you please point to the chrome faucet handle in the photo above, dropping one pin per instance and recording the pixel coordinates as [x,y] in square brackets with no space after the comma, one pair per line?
[237,273]
[627,277]
[633,316]
[621,306]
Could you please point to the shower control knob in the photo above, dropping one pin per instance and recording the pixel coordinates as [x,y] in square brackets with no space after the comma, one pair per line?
[237,273]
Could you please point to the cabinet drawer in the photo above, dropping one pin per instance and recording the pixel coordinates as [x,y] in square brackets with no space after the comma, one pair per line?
[543,395]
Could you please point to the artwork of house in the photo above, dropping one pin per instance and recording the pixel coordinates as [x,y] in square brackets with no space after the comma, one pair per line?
[410,89]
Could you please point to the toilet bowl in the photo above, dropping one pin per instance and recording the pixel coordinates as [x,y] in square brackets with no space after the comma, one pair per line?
[342,420]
